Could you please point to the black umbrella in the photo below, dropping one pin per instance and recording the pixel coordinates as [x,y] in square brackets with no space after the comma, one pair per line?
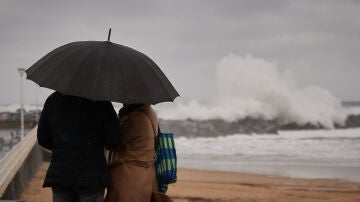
[102,70]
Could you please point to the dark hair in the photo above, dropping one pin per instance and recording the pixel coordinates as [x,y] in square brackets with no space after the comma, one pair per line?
[127,108]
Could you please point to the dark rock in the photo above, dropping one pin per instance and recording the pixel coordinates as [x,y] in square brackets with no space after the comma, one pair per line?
[352,121]
[295,126]
[218,127]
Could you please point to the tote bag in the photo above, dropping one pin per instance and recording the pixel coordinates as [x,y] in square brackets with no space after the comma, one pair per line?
[165,160]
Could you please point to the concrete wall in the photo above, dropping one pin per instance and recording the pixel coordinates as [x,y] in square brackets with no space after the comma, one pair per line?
[24,174]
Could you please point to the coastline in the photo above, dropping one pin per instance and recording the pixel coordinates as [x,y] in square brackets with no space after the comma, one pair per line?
[297,168]
[311,154]
[200,186]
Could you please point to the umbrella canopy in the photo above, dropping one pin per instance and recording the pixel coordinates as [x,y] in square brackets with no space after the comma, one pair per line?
[102,70]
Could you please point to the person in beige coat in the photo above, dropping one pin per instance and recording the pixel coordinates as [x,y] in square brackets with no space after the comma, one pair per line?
[132,165]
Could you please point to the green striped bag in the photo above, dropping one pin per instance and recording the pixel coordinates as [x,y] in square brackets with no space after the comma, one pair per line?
[165,160]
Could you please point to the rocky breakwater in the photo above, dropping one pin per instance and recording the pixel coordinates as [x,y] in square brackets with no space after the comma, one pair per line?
[218,127]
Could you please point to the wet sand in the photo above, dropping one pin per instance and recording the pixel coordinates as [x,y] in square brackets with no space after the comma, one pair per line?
[201,186]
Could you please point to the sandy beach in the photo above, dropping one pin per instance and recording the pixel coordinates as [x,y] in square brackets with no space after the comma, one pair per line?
[201,186]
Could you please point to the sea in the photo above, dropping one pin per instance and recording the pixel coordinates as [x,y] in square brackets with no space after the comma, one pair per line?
[331,154]
[314,154]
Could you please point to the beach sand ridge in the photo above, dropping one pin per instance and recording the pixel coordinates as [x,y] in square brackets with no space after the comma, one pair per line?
[218,186]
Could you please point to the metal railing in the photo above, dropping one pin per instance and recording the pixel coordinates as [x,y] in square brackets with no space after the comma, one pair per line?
[14,159]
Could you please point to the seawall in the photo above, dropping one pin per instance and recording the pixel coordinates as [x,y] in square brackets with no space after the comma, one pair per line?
[24,174]
[19,165]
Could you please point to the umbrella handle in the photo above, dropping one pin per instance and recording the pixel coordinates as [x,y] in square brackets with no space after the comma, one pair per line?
[109,35]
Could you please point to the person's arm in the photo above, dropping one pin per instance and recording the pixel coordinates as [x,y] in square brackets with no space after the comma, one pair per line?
[113,136]
[43,130]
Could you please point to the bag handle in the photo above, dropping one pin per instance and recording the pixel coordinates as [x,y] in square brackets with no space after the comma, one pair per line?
[152,125]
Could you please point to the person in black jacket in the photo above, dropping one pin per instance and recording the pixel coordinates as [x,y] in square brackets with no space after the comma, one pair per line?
[76,130]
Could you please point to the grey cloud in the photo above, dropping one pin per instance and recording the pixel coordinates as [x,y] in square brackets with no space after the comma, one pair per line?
[316,39]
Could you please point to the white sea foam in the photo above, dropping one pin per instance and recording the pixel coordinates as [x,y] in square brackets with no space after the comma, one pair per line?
[304,154]
[253,87]
[325,145]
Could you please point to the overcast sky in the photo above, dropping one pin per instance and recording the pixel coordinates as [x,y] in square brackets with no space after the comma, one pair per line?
[318,41]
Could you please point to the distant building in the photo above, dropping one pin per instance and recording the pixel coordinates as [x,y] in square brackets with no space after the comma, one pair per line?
[32,115]
[29,116]
[4,116]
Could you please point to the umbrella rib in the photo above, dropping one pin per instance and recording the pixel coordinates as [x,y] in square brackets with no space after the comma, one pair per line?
[50,56]
[51,72]
[83,68]
[147,60]
[111,83]
[169,90]
[134,60]
[90,51]
[99,68]
[142,75]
